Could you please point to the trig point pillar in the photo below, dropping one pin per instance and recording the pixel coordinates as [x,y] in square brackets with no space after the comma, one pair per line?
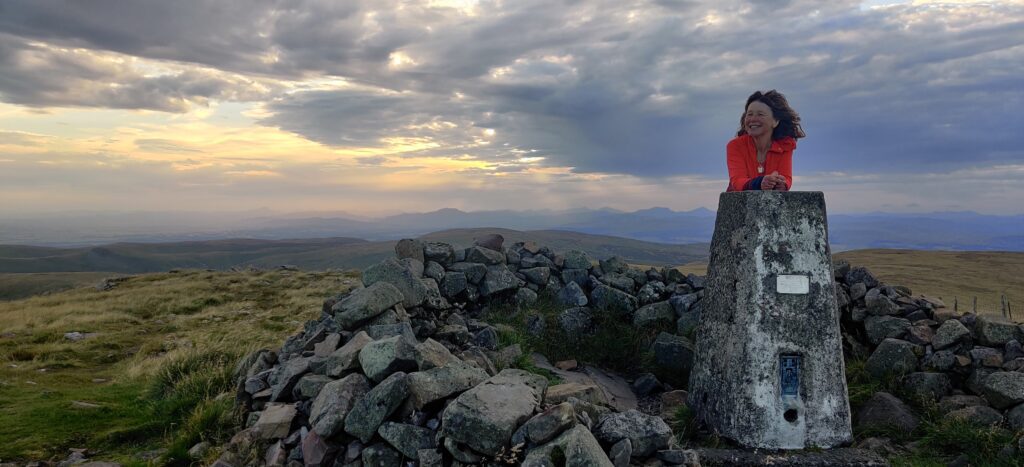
[768,369]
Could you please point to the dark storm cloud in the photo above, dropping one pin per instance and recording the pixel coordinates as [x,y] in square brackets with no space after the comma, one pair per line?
[649,88]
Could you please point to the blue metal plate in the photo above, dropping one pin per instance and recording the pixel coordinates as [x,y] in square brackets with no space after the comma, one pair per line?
[789,375]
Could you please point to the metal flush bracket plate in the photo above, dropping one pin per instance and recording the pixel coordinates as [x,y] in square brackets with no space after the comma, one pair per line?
[794,284]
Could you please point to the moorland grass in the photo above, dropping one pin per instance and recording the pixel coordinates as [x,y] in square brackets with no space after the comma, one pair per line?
[156,373]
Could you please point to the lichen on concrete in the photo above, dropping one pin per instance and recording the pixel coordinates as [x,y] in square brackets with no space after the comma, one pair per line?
[747,325]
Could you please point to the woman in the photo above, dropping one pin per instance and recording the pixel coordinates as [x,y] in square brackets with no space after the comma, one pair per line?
[761,155]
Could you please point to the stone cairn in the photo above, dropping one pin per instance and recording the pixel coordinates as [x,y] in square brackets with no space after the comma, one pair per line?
[970,366]
[399,372]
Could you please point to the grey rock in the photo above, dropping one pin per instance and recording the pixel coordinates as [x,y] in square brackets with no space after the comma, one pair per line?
[927,386]
[475,356]
[878,304]
[687,323]
[619,281]
[377,405]
[439,383]
[885,410]
[577,446]
[485,416]
[346,357]
[410,248]
[682,303]
[453,284]
[976,381]
[858,291]
[462,453]
[454,333]
[414,266]
[442,253]
[525,297]
[879,328]
[949,334]
[579,276]
[994,331]
[645,384]
[327,414]
[434,271]
[605,298]
[892,357]
[382,455]
[572,295]
[365,303]
[655,314]
[286,376]
[490,241]
[486,338]
[407,439]
[309,386]
[920,334]
[862,275]
[977,415]
[986,356]
[404,278]
[943,360]
[384,331]
[1015,417]
[621,452]
[486,256]
[430,458]
[434,300]
[1004,389]
[576,321]
[498,279]
[432,354]
[327,346]
[546,425]
[956,402]
[536,261]
[673,353]
[537,276]
[386,356]
[576,259]
[275,421]
[646,433]
[615,264]
[651,292]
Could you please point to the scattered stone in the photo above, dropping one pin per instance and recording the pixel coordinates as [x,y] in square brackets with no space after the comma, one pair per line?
[407,439]
[404,278]
[589,393]
[373,408]
[892,357]
[275,421]
[885,410]
[381,358]
[335,400]
[438,383]
[572,295]
[609,299]
[1004,389]
[994,332]
[927,386]
[576,321]
[567,365]
[368,302]
[655,314]
[977,415]
[485,416]
[646,433]
[410,248]
[575,447]
[546,425]
[673,353]
[879,328]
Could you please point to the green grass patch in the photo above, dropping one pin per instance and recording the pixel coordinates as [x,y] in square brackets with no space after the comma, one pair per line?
[615,343]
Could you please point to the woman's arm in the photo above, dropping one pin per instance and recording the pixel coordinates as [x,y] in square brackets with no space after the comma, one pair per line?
[786,170]
[739,179]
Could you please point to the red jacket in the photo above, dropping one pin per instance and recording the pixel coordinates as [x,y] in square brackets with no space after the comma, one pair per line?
[741,155]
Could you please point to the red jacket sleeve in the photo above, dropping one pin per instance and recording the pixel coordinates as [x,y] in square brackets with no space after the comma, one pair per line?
[786,163]
[738,176]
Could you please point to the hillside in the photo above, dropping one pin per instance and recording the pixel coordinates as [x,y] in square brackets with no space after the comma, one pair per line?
[310,254]
[945,274]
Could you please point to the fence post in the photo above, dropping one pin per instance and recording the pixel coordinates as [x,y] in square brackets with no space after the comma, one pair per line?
[975,305]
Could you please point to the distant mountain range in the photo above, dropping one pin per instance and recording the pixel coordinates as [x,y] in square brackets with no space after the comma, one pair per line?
[926,231]
[313,254]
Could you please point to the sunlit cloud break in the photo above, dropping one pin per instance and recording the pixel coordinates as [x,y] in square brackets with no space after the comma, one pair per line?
[395,106]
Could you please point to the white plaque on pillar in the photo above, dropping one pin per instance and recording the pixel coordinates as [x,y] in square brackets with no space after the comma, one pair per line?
[792,284]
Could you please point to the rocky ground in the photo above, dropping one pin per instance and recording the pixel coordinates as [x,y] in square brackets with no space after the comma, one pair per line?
[405,372]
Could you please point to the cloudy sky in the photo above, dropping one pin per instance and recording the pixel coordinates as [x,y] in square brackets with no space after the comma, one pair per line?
[383,106]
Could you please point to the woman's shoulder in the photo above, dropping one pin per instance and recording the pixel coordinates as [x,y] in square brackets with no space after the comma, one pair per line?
[739,140]
[786,143]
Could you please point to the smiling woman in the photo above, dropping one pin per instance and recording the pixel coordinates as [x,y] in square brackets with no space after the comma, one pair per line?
[761,155]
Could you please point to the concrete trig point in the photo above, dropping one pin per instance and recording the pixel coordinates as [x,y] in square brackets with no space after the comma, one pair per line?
[768,368]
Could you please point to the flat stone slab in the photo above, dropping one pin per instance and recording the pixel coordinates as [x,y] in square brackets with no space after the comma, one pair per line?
[851,457]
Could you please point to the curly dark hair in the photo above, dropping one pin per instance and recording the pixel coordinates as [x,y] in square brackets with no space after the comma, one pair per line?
[789,120]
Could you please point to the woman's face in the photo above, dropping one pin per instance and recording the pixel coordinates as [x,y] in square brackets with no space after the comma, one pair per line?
[759,119]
